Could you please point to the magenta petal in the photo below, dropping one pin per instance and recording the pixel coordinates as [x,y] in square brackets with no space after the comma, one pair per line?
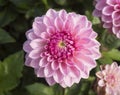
[111,2]
[115,15]
[108,10]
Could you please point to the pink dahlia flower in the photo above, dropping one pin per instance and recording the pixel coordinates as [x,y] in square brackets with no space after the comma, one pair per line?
[109,79]
[109,12]
[61,47]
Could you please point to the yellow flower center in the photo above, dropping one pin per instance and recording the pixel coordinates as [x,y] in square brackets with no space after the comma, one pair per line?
[61,44]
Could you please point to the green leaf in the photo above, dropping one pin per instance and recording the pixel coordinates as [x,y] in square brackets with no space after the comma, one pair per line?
[23,4]
[3,2]
[10,71]
[60,2]
[109,40]
[39,89]
[95,20]
[114,54]
[5,37]
[7,16]
[105,60]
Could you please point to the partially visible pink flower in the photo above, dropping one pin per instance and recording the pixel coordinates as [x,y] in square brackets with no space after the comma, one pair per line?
[61,47]
[109,79]
[109,12]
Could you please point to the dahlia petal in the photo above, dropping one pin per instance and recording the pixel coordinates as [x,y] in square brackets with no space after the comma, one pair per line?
[44,35]
[63,68]
[116,7]
[58,76]
[101,83]
[28,61]
[108,10]
[48,71]
[95,53]
[115,30]
[84,41]
[62,14]
[99,74]
[87,60]
[38,28]
[59,24]
[97,13]
[93,36]
[37,43]
[48,21]
[106,19]
[100,5]
[51,13]
[116,23]
[34,63]
[26,46]
[68,23]
[31,36]
[110,2]
[63,84]
[54,65]
[50,81]
[40,72]
[107,25]
[85,32]
[39,19]
[74,72]
[109,91]
[86,51]
[34,54]
[115,15]
[114,65]
[68,81]
[43,62]
[83,22]
[51,30]
[76,80]
[82,68]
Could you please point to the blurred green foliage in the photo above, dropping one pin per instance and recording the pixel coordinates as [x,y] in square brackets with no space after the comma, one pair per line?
[16,17]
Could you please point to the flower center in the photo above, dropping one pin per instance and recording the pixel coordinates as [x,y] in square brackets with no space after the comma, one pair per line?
[110,80]
[61,46]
